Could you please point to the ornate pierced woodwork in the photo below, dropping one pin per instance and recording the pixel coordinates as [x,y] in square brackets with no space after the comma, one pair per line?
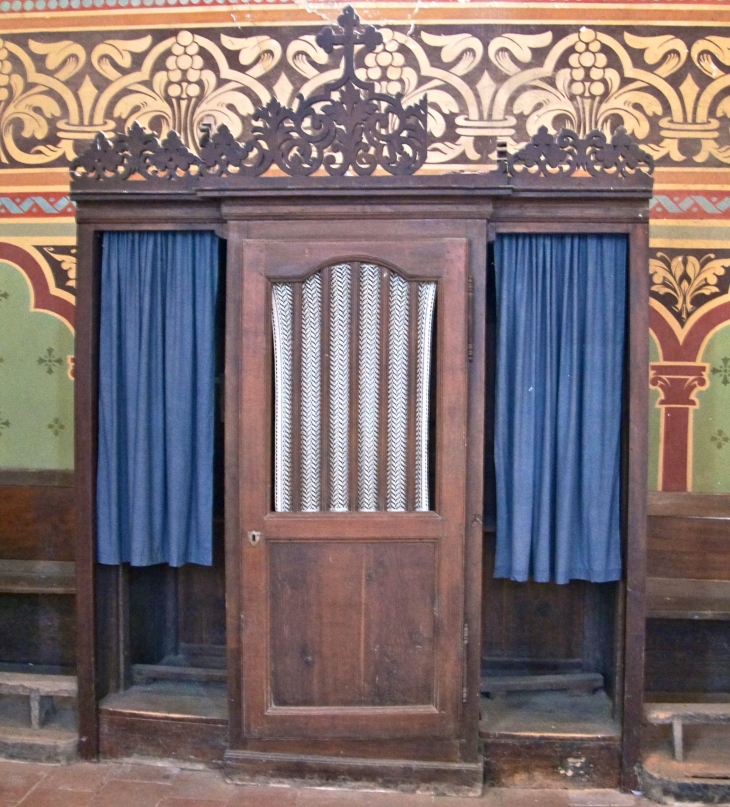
[140,154]
[566,152]
[137,153]
[376,370]
[348,127]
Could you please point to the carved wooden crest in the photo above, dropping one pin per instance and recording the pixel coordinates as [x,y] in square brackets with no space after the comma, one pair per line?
[566,152]
[348,127]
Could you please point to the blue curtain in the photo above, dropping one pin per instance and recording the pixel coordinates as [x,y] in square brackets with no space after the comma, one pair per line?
[561,320]
[156,397]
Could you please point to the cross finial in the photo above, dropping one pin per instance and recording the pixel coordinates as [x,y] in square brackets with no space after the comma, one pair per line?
[348,37]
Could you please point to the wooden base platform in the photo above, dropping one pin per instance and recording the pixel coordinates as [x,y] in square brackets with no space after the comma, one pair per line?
[436,778]
[703,775]
[550,740]
[56,741]
[170,720]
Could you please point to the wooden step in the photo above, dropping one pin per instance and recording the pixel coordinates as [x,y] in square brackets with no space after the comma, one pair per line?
[663,713]
[575,683]
[147,673]
[41,689]
[37,577]
[677,714]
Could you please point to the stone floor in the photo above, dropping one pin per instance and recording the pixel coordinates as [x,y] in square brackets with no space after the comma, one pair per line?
[134,784]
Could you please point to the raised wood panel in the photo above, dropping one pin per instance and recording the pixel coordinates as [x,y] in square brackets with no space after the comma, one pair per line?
[36,522]
[690,547]
[37,629]
[686,655]
[202,605]
[353,624]
[535,624]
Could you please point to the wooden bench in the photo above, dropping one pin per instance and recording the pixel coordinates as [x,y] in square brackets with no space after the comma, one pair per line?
[675,598]
[574,683]
[41,689]
[37,577]
[677,714]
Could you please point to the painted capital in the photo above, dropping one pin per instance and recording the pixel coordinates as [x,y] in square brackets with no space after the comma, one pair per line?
[678,382]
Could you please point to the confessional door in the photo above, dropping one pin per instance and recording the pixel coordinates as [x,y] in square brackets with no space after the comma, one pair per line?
[352,436]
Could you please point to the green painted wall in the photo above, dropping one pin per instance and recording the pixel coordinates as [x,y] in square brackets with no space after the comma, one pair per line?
[711,432]
[36,393]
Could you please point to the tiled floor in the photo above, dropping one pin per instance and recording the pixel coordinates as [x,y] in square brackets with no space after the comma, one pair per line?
[126,784]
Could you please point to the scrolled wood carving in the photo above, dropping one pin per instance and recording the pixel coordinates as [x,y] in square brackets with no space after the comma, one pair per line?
[348,127]
[566,152]
[136,153]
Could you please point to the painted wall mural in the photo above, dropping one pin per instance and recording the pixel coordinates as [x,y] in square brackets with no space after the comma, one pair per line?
[491,75]
[670,89]
[36,366]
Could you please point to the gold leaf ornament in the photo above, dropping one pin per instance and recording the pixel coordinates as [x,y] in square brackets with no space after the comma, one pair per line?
[703,51]
[464,47]
[5,70]
[502,48]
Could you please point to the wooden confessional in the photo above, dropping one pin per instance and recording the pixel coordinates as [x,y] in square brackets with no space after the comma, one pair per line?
[343,631]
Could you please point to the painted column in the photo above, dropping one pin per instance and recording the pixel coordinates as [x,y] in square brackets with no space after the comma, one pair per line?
[678,383]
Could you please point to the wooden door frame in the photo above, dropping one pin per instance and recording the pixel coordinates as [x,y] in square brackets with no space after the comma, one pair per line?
[94,218]
[629,218]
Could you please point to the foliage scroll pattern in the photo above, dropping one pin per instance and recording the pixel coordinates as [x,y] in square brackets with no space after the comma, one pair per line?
[669,90]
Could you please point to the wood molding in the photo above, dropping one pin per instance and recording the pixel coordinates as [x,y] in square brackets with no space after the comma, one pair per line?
[690,505]
[32,479]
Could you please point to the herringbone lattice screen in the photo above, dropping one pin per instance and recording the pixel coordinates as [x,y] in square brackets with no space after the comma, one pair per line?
[352,379]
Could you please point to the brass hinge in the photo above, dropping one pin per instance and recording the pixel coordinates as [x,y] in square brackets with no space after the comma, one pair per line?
[465,640]
[470,318]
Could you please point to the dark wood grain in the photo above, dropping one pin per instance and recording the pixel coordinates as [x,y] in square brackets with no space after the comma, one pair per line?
[34,479]
[687,656]
[690,505]
[193,740]
[37,629]
[426,777]
[37,522]
[549,762]
[330,570]
[85,419]
[691,547]
[233,421]
[635,485]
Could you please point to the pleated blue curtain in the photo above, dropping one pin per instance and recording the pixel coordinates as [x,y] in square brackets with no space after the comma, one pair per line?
[561,317]
[156,397]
